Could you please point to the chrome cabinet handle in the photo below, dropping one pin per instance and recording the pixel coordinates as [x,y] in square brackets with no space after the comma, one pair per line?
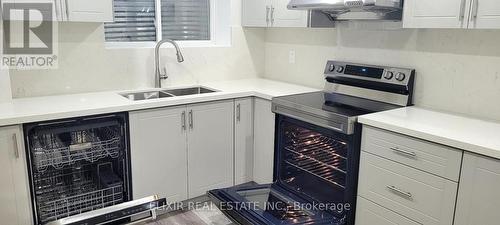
[405,153]
[16,146]
[462,10]
[267,14]
[191,119]
[67,10]
[272,15]
[238,112]
[400,192]
[475,4]
[183,120]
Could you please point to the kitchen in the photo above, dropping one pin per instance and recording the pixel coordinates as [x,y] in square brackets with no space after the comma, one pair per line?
[207,121]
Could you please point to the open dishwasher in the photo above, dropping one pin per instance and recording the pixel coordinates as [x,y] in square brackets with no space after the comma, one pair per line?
[78,165]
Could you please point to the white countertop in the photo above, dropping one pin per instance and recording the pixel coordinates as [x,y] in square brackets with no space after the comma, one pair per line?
[26,110]
[469,134]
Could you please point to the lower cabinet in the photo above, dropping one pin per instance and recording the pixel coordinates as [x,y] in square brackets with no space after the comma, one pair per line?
[15,204]
[210,147]
[158,143]
[370,213]
[182,152]
[243,140]
[404,180]
[263,141]
[478,196]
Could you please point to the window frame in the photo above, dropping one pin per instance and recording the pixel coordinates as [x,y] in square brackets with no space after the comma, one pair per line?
[220,29]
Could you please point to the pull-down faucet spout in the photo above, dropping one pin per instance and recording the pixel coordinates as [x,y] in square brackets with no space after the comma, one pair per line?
[158,73]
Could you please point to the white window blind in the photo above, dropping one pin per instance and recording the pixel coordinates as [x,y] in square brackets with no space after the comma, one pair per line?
[180,20]
[185,19]
[134,21]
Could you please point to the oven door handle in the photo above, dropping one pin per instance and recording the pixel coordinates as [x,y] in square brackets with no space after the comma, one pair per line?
[281,110]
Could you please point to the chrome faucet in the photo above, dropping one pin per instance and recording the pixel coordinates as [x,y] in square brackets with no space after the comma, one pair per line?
[158,73]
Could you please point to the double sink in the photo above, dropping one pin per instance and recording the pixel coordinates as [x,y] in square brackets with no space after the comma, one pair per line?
[167,93]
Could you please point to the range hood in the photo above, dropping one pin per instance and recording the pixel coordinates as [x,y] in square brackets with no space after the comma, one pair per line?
[340,10]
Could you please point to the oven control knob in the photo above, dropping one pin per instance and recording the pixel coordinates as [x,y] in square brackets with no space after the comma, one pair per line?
[389,75]
[340,69]
[331,68]
[400,76]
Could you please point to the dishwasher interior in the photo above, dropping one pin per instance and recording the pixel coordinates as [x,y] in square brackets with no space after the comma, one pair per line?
[78,165]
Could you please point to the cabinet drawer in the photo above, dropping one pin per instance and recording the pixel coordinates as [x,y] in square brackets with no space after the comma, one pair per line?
[420,196]
[369,213]
[433,158]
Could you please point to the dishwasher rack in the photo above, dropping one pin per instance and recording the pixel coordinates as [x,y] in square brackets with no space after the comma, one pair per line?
[65,194]
[51,150]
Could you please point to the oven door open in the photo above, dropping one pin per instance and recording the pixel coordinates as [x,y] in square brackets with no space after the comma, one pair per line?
[268,204]
[315,179]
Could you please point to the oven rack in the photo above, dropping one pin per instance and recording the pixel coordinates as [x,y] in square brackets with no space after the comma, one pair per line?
[51,150]
[329,178]
[319,147]
[313,161]
[315,143]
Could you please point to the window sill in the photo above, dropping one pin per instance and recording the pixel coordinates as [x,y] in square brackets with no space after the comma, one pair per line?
[182,44]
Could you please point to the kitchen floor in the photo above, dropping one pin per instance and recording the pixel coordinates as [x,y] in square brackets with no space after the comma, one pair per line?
[209,215]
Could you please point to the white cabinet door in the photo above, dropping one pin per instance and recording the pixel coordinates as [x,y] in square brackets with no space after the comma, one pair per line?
[370,213]
[210,147]
[256,13]
[243,141]
[263,142]
[35,15]
[89,10]
[485,14]
[436,14]
[281,16]
[478,196]
[15,203]
[159,153]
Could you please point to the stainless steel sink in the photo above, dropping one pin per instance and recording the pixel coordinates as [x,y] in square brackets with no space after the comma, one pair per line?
[189,91]
[147,95]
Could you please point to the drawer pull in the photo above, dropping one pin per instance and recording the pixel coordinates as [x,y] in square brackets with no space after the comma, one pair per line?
[405,153]
[400,192]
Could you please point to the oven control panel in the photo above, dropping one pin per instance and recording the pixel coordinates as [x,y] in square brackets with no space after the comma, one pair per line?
[391,75]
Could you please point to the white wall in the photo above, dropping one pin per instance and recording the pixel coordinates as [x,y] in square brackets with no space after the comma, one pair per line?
[457,70]
[5,91]
[86,65]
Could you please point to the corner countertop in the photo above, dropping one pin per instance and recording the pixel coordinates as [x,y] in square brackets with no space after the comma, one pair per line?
[469,134]
[26,110]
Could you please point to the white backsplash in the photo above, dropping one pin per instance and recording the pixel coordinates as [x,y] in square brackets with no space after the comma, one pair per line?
[85,64]
[457,70]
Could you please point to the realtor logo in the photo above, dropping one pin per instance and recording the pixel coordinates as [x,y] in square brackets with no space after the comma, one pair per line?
[28,36]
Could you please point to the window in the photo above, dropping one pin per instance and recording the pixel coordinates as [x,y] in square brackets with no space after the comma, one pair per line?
[134,21]
[143,22]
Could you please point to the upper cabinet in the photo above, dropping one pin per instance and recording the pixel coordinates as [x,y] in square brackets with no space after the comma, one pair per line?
[435,14]
[485,14]
[480,14]
[89,10]
[70,10]
[271,13]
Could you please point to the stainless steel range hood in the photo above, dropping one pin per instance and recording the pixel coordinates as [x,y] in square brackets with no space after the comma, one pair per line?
[340,10]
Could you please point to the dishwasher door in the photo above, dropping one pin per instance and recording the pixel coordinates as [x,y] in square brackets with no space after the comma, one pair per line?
[117,214]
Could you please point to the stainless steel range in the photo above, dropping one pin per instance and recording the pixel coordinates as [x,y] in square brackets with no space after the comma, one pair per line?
[350,90]
[317,148]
